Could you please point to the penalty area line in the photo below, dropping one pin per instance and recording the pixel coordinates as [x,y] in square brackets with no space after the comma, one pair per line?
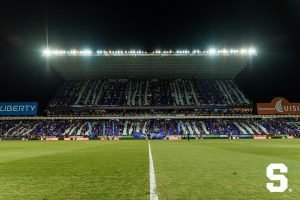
[153,190]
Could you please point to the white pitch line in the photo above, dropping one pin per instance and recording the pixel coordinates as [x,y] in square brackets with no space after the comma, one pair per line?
[153,191]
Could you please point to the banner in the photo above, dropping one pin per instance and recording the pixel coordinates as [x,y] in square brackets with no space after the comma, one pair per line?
[215,136]
[259,137]
[18,108]
[82,138]
[49,139]
[244,136]
[174,137]
[278,106]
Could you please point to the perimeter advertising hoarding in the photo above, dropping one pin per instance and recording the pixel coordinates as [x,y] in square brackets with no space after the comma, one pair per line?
[278,106]
[18,108]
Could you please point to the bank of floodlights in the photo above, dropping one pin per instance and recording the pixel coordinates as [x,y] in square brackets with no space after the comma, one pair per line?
[210,52]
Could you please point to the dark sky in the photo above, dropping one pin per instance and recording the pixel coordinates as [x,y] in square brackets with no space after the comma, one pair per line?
[272,26]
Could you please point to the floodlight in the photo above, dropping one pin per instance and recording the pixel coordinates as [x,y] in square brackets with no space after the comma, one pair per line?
[58,52]
[225,51]
[86,52]
[243,51]
[212,51]
[46,52]
[252,51]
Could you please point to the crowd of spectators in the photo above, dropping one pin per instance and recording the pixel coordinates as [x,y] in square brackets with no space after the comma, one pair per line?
[123,92]
[146,112]
[95,128]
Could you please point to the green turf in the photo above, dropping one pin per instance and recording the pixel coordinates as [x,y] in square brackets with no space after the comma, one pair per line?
[199,169]
[223,169]
[74,170]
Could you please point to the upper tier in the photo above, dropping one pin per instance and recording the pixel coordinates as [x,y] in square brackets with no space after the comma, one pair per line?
[143,93]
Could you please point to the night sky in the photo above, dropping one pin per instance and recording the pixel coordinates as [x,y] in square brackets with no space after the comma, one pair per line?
[273,27]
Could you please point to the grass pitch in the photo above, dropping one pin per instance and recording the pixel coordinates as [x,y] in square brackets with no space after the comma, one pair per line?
[74,170]
[224,169]
[200,169]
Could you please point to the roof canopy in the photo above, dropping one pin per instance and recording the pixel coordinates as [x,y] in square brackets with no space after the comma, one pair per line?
[149,66]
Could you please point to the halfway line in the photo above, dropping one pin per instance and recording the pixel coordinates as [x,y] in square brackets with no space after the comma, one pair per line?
[153,191]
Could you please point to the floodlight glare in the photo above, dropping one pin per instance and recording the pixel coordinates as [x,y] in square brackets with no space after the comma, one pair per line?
[243,51]
[252,51]
[212,51]
[46,52]
[224,51]
[86,52]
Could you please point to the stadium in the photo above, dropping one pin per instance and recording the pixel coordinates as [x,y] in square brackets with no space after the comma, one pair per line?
[147,123]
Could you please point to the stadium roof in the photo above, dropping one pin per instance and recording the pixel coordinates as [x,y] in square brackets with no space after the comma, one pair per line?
[211,64]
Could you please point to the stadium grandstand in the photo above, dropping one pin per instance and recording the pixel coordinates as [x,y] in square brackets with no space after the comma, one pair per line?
[149,100]
[161,94]
[145,100]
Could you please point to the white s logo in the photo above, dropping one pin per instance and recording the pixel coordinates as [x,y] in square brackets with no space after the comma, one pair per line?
[283,181]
